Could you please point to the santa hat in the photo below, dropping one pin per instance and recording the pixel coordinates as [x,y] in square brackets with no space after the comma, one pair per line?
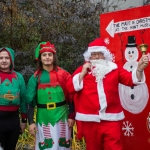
[44,47]
[98,45]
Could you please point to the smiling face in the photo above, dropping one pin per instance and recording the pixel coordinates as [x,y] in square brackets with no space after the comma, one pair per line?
[131,54]
[47,59]
[5,61]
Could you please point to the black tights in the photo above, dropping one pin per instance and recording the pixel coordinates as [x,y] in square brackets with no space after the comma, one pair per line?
[9,129]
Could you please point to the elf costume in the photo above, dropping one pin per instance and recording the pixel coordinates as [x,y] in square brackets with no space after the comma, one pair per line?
[12,97]
[47,91]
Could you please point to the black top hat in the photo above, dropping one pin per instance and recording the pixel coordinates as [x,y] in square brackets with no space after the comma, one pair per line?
[131,41]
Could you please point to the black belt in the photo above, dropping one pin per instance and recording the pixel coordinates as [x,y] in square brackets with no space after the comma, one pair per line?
[51,105]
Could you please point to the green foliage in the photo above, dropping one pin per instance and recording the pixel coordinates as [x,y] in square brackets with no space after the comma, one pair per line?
[70,25]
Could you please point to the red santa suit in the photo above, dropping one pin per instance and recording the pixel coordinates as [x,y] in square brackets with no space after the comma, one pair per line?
[98,106]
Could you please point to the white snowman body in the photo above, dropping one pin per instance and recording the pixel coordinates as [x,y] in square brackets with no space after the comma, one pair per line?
[133,99]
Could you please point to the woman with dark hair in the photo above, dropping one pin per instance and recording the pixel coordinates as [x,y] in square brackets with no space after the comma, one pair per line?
[47,90]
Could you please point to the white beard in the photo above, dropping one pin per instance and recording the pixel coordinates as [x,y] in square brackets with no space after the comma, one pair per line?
[99,69]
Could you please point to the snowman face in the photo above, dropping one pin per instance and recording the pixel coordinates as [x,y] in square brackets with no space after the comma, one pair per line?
[131,54]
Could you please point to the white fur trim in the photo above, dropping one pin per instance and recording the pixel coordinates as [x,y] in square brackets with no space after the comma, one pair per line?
[97,49]
[101,95]
[112,116]
[87,117]
[107,54]
[102,116]
[103,104]
[134,77]
[76,84]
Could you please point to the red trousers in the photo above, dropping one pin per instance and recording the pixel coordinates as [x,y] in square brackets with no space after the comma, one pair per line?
[105,135]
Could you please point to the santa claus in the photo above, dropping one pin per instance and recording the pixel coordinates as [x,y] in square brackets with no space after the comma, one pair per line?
[96,97]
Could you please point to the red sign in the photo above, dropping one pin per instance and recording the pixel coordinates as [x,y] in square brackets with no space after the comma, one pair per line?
[126,30]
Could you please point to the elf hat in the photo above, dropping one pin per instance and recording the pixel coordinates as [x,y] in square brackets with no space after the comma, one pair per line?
[98,45]
[44,47]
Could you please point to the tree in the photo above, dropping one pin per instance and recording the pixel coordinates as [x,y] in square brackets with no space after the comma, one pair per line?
[70,25]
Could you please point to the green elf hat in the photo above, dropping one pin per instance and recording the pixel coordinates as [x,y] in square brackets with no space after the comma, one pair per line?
[44,47]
